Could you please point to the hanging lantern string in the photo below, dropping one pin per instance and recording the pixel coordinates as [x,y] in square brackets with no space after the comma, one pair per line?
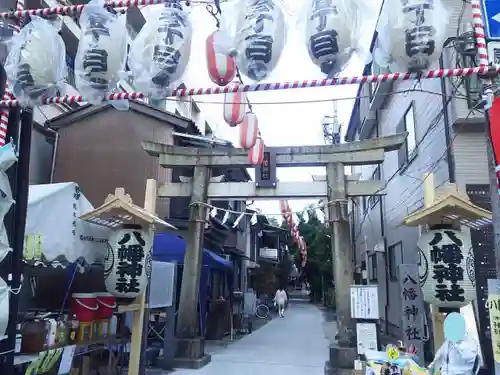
[181,92]
[238,75]
[75,9]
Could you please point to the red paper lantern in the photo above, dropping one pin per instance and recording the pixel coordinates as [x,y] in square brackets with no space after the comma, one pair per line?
[256,153]
[249,130]
[284,207]
[234,106]
[221,67]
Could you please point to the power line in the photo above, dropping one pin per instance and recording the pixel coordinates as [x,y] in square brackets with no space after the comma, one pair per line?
[330,99]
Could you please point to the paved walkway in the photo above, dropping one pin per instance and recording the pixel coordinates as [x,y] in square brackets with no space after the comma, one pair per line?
[295,345]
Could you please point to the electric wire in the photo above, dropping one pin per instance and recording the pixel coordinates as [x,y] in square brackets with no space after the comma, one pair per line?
[313,101]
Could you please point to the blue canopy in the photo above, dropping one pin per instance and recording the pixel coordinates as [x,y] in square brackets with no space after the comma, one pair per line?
[168,247]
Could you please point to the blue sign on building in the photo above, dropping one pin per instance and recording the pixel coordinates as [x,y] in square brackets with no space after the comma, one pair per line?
[491,14]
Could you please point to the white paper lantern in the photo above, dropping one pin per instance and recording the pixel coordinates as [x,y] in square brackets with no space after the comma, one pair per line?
[36,64]
[412,33]
[128,262]
[4,307]
[221,66]
[329,34]
[101,52]
[235,104]
[249,130]
[446,268]
[260,38]
[159,55]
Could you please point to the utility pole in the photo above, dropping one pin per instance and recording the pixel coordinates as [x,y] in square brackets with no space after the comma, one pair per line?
[488,98]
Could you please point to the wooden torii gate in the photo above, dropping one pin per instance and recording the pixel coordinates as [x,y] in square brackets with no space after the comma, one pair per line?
[335,187]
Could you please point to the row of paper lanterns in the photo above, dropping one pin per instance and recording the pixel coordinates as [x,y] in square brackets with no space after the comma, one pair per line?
[287,214]
[222,71]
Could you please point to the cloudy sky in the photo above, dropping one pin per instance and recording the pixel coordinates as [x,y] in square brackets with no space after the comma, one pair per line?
[291,123]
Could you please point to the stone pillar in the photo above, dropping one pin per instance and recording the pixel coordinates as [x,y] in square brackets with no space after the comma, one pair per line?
[343,353]
[190,351]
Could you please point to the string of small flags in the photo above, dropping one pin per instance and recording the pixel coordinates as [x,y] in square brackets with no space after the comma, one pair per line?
[286,213]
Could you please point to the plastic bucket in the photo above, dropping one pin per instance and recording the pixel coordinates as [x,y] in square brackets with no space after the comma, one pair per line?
[106,303]
[84,306]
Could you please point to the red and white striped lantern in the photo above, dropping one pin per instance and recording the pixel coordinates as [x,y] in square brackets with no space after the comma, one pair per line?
[221,67]
[234,106]
[249,130]
[284,207]
[256,153]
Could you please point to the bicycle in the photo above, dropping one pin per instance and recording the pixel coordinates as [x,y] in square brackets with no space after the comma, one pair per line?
[261,310]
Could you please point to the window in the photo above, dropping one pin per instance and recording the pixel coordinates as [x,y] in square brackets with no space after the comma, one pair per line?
[373,267]
[395,254]
[407,124]
[374,199]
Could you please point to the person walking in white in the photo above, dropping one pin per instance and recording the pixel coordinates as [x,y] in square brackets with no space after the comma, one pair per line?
[280,299]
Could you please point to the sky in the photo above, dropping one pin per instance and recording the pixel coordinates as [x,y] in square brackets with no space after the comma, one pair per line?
[291,124]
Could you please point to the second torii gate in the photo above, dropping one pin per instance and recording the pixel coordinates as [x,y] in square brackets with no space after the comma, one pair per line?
[335,187]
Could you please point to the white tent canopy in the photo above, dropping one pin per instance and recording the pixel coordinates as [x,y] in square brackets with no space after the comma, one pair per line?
[54,233]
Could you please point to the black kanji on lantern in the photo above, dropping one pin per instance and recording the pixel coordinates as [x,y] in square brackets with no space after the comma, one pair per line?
[320,10]
[165,54]
[419,38]
[259,45]
[97,25]
[129,266]
[259,6]
[95,60]
[455,293]
[447,269]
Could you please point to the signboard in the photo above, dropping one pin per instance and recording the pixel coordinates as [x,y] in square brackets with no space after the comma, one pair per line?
[491,15]
[366,335]
[494,52]
[265,173]
[364,302]
[413,313]
[494,309]
[268,253]
[161,288]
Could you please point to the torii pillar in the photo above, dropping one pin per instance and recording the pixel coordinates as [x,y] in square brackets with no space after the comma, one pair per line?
[336,188]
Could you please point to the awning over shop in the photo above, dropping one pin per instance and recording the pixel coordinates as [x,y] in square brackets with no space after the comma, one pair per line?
[168,247]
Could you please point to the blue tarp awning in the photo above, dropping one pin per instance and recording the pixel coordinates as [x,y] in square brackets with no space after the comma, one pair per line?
[168,247]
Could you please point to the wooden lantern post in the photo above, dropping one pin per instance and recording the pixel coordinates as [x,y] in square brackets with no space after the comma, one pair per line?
[446,205]
[117,210]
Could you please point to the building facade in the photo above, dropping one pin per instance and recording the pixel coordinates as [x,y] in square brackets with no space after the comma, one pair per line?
[446,136]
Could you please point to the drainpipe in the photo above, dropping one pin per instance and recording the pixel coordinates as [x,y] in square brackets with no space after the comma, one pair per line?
[446,117]
[386,263]
[54,154]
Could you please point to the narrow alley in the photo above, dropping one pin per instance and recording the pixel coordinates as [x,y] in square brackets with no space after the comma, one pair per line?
[295,345]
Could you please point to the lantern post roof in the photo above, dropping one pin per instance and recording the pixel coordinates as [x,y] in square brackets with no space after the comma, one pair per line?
[118,209]
[450,204]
